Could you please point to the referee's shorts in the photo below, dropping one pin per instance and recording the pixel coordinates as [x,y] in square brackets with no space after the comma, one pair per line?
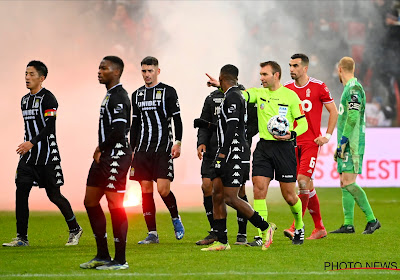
[275,158]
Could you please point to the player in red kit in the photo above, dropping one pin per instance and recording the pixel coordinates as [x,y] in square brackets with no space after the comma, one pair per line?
[314,94]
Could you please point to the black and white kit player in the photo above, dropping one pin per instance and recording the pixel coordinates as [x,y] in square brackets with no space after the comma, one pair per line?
[232,162]
[108,172]
[116,153]
[154,106]
[40,161]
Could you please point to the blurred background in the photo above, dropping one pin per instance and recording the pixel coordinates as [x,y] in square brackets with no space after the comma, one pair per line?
[190,38]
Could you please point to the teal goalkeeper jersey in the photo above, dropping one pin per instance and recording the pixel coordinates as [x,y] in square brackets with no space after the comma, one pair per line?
[351,121]
[282,101]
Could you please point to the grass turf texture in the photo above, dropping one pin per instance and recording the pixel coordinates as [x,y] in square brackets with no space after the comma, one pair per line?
[47,257]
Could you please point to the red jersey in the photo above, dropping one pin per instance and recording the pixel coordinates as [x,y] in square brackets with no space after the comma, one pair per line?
[312,95]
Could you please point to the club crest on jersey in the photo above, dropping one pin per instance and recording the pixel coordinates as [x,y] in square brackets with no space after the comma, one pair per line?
[308,92]
[36,103]
[105,100]
[158,94]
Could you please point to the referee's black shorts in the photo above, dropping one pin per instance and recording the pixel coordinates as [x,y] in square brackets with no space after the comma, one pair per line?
[150,166]
[111,172]
[44,176]
[275,157]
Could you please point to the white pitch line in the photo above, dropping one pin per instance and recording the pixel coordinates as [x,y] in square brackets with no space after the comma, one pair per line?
[138,274]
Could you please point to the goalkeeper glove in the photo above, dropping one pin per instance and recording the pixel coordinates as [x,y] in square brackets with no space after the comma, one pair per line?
[342,146]
[219,166]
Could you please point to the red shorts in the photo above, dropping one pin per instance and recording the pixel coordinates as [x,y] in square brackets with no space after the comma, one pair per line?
[306,156]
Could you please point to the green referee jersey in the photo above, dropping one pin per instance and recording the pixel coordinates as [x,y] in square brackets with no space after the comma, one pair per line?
[351,121]
[282,101]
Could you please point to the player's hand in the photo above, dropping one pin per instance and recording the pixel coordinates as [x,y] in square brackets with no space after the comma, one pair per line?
[24,148]
[97,154]
[321,140]
[176,151]
[285,137]
[201,149]
[342,146]
[212,82]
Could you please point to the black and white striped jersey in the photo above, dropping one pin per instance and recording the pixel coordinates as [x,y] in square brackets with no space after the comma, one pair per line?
[231,129]
[115,119]
[39,112]
[155,107]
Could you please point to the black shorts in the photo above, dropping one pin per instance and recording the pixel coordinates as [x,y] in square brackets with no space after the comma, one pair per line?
[111,172]
[277,157]
[150,166]
[44,176]
[207,168]
[236,170]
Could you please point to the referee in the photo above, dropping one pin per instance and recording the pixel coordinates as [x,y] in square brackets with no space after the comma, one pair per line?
[154,106]
[231,163]
[40,162]
[275,156]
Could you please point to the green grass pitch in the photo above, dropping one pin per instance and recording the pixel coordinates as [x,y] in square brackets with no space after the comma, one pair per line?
[48,258]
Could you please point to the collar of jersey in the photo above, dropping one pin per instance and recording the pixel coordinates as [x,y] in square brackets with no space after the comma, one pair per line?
[294,82]
[152,86]
[354,78]
[36,92]
[114,87]
[229,89]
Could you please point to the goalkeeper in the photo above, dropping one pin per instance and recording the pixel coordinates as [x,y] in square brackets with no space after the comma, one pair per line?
[350,150]
[274,156]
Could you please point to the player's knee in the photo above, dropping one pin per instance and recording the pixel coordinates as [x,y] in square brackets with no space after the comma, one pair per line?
[207,189]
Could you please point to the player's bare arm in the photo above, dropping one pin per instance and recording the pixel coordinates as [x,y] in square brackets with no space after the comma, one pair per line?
[333,116]
[24,148]
[212,82]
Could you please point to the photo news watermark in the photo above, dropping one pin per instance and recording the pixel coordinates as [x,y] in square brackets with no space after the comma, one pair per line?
[386,265]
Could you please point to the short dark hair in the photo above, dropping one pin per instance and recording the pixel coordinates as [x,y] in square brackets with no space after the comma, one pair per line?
[40,67]
[149,60]
[231,72]
[303,57]
[274,65]
[116,61]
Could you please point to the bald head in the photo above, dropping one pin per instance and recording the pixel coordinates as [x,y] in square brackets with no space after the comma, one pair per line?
[347,64]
